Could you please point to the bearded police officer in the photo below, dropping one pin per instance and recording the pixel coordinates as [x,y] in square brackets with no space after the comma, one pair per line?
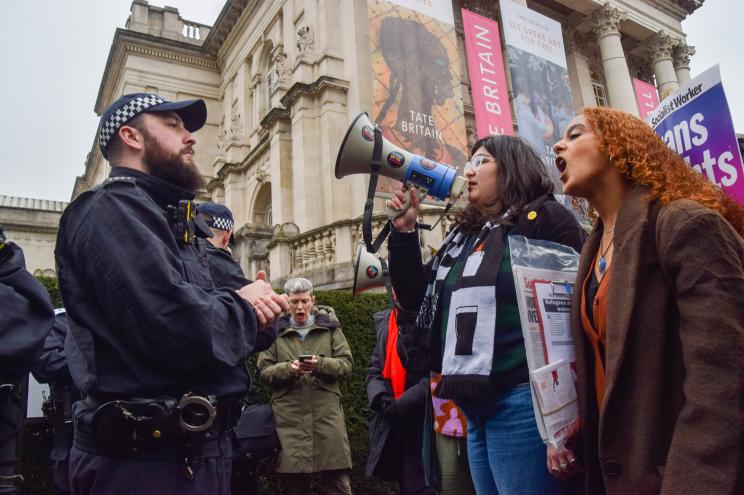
[156,348]
[26,317]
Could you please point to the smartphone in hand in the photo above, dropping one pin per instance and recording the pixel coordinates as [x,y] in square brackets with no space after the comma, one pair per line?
[305,357]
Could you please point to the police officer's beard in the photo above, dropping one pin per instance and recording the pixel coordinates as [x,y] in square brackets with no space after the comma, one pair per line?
[175,168]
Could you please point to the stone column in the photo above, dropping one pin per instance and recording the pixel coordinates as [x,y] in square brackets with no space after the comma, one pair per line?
[579,73]
[607,20]
[660,48]
[682,54]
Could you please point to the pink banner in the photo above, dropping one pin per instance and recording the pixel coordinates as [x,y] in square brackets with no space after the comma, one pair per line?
[646,97]
[487,78]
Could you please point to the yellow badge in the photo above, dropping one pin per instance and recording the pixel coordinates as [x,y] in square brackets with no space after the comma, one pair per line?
[532,215]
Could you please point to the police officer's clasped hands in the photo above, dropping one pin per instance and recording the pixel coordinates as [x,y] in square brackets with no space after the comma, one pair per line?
[267,303]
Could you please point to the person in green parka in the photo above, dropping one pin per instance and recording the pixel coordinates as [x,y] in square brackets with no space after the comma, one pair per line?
[303,368]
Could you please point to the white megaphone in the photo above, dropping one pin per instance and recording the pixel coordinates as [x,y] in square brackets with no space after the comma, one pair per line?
[369,271]
[430,177]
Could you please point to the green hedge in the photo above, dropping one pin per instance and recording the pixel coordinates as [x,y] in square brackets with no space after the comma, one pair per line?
[355,314]
[52,286]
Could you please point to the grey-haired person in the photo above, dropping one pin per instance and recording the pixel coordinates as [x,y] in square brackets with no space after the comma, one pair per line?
[303,368]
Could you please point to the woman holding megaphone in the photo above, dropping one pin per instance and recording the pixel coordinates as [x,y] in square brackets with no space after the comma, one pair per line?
[464,305]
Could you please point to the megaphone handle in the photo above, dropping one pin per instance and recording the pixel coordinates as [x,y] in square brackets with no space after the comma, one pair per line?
[392,213]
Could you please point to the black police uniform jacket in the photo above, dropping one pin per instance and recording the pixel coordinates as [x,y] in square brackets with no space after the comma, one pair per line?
[226,273]
[26,316]
[145,317]
[52,368]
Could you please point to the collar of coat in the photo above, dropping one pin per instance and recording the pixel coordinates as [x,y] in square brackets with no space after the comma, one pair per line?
[162,192]
[322,320]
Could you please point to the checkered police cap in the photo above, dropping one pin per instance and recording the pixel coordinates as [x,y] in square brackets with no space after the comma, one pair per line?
[192,112]
[221,215]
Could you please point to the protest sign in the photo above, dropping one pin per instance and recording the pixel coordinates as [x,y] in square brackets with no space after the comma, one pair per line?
[695,122]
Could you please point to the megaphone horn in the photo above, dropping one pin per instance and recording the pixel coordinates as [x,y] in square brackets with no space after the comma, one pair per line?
[437,179]
[369,271]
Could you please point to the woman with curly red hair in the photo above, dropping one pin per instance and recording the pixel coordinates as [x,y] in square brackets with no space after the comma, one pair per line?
[658,316]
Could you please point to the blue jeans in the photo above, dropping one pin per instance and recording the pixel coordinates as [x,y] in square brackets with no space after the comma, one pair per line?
[507,455]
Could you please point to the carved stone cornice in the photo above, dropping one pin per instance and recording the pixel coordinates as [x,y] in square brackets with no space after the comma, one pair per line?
[229,15]
[575,40]
[172,56]
[253,231]
[675,7]
[690,6]
[607,20]
[11,226]
[322,83]
[275,114]
[682,53]
[660,46]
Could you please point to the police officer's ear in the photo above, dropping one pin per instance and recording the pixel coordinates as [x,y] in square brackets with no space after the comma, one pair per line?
[131,137]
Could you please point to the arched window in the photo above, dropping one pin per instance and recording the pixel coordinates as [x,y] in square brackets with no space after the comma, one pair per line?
[268,80]
[600,93]
[262,206]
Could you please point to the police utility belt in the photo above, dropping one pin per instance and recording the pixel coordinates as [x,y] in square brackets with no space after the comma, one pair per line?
[131,424]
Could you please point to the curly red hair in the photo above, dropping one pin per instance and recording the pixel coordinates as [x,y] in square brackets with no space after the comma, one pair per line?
[642,156]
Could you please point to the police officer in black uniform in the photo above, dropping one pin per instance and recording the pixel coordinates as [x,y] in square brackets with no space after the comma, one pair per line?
[25,320]
[52,369]
[155,346]
[226,272]
[223,267]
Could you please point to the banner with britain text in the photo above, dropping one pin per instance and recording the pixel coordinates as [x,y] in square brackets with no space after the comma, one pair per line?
[487,77]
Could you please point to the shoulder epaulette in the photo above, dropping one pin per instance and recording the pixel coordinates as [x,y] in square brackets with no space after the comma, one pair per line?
[83,196]
[114,180]
[118,179]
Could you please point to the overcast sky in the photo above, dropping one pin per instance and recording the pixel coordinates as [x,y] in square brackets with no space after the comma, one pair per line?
[55,51]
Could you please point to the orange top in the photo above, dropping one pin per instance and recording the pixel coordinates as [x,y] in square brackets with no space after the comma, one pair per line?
[597,333]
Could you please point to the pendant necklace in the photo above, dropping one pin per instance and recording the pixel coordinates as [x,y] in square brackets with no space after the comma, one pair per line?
[602,260]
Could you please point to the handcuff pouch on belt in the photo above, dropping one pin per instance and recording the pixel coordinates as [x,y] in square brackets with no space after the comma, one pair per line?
[124,426]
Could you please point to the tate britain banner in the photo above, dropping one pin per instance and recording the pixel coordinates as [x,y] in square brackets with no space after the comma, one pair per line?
[416,94]
[487,77]
[539,75]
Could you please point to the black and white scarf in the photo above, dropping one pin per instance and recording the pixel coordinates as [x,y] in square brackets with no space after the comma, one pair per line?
[470,336]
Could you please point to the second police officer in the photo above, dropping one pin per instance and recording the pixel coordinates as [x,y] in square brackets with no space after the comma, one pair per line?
[26,317]
[156,348]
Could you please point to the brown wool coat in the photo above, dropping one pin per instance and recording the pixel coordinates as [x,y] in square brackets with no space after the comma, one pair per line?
[673,416]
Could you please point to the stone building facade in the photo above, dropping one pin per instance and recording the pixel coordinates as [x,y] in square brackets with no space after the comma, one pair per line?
[32,224]
[283,79]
